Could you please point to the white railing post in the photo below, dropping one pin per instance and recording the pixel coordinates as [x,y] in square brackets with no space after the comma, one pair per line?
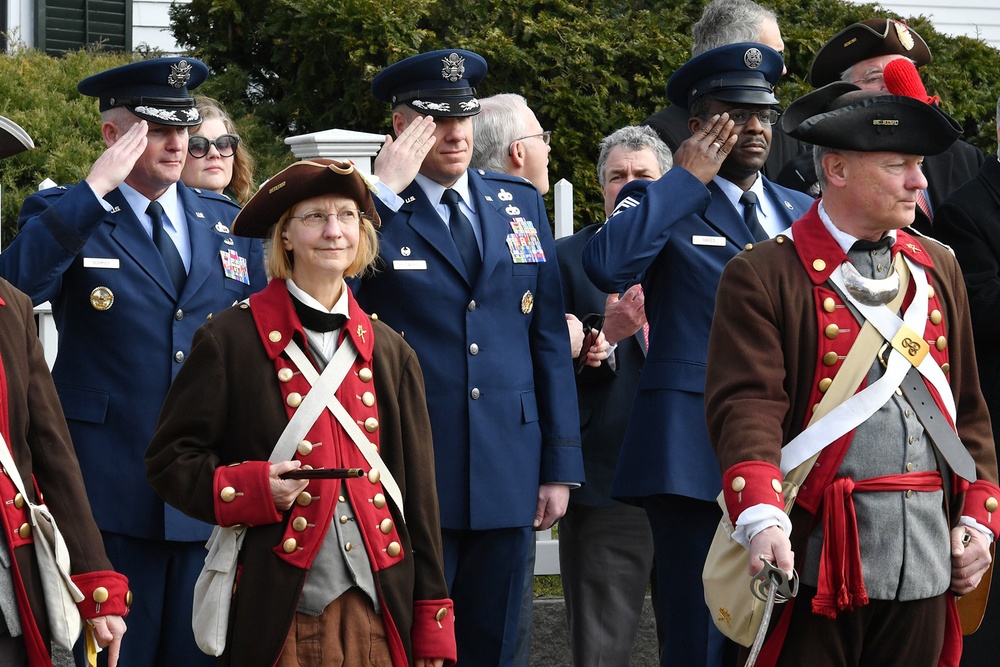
[563,208]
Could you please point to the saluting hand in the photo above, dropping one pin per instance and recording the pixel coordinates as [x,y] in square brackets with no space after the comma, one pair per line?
[704,151]
[116,163]
[398,163]
[285,491]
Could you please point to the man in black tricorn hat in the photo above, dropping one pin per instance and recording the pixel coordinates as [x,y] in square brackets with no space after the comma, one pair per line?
[843,349]
[133,262]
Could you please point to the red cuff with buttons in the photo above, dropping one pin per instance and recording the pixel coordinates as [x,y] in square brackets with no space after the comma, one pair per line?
[981,503]
[243,495]
[433,632]
[751,483]
[105,593]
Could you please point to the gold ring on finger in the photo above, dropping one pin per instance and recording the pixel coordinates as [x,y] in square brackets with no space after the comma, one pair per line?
[716,145]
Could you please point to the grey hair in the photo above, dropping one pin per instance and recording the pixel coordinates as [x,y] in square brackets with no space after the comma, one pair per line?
[728,22]
[819,152]
[634,138]
[498,124]
[120,117]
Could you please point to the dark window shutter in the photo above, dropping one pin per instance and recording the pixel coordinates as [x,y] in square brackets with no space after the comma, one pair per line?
[67,25]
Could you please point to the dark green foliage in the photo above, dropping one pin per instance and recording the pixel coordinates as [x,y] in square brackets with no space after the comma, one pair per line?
[287,67]
[586,68]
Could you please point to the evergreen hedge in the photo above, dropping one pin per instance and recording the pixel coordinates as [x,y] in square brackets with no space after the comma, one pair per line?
[587,67]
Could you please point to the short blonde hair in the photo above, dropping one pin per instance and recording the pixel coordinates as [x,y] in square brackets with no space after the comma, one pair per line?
[280,263]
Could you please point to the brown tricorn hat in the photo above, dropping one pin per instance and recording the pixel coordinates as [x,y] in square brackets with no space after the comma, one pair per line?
[298,182]
[867,39]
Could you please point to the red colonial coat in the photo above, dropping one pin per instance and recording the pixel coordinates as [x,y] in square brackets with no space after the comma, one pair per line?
[32,423]
[775,311]
[221,419]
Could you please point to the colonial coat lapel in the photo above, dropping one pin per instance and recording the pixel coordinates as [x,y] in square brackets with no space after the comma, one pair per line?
[129,233]
[423,219]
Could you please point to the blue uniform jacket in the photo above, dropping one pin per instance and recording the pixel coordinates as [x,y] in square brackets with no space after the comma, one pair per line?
[676,243]
[495,355]
[114,366]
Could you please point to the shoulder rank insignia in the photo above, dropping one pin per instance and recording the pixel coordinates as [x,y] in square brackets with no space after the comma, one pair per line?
[503,195]
[219,227]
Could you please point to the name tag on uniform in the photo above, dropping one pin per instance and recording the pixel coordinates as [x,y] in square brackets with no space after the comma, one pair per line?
[101,263]
[409,264]
[708,240]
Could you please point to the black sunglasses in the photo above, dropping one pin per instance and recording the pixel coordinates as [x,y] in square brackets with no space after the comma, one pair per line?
[198,146]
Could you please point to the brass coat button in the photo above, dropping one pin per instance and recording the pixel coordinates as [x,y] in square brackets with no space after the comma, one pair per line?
[379,500]
[24,531]
[299,524]
[441,614]
[739,483]
[342,499]
[393,549]
[824,384]
[304,448]
[829,305]
[290,545]
[909,467]
[304,499]
[776,485]
[100,595]
[930,291]
[19,501]
[365,375]
[935,316]
[294,399]
[348,546]
[374,476]
[286,375]
[373,317]
[343,518]
[274,336]
[945,368]
[819,265]
[830,358]
[368,399]
[831,331]
[228,494]
[941,343]
[385,526]
[748,247]
[128,599]
[909,493]
[371,424]
[991,504]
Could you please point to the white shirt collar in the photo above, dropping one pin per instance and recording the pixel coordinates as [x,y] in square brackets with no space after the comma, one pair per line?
[138,202]
[843,239]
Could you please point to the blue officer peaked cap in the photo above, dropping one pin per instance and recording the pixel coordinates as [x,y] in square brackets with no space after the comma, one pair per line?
[437,83]
[745,73]
[155,90]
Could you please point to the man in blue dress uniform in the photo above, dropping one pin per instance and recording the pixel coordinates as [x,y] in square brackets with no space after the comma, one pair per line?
[133,262]
[469,276]
[675,242]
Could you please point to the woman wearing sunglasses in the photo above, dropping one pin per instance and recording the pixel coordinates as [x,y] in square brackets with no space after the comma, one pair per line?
[217,160]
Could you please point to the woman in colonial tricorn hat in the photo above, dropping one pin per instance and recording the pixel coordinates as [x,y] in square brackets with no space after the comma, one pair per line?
[341,561]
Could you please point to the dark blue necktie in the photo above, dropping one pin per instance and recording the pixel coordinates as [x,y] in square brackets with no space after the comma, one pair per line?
[462,234]
[749,201]
[171,258]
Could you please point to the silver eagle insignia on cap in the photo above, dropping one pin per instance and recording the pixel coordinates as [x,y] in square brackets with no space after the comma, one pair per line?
[753,58]
[180,73]
[453,67]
